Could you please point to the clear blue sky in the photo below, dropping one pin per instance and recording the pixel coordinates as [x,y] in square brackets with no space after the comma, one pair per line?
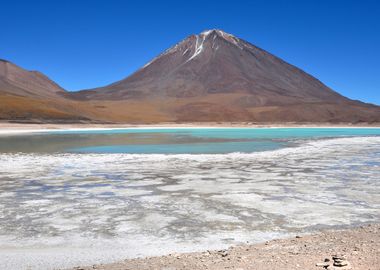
[86,44]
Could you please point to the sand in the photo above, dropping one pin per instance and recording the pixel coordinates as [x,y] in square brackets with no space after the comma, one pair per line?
[355,248]
[7,128]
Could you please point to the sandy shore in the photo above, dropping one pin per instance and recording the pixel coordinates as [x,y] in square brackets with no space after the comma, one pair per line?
[357,248]
[19,128]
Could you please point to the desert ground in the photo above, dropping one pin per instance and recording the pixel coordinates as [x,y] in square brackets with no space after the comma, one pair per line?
[356,248]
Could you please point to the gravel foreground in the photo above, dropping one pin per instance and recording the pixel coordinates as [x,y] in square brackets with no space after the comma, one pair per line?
[357,248]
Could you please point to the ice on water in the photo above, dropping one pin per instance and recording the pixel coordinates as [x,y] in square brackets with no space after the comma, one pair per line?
[62,210]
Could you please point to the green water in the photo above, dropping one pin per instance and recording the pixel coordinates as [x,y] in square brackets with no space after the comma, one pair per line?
[173,140]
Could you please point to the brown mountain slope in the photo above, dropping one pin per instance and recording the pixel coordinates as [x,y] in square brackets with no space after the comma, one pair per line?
[31,96]
[215,76]
[209,77]
[17,81]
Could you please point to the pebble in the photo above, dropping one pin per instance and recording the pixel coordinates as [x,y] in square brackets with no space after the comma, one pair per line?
[338,257]
[340,263]
[223,253]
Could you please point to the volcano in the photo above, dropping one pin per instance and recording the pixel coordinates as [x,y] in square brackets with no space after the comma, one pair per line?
[215,62]
[210,77]
[215,76]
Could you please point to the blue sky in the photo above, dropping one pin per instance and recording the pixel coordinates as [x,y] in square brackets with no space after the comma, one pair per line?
[86,44]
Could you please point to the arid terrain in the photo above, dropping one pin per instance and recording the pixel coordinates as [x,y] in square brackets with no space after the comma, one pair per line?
[357,248]
[210,77]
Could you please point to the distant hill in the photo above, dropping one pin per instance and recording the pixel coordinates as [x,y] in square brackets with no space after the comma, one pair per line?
[17,81]
[31,96]
[213,76]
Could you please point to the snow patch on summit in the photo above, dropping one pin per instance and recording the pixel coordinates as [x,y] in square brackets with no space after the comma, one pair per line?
[226,36]
[198,47]
[207,32]
[199,44]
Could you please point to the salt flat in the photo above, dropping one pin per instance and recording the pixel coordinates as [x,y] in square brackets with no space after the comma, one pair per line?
[64,209]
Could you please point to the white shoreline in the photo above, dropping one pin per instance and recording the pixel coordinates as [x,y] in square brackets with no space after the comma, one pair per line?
[26,130]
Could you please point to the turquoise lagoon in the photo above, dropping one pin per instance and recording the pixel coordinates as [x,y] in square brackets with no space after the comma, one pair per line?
[174,141]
